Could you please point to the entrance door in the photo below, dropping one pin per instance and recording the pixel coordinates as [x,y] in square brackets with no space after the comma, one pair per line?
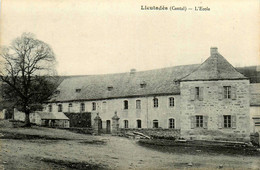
[108,126]
[139,123]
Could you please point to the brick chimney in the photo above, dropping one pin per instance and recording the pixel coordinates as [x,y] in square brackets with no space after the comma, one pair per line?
[213,50]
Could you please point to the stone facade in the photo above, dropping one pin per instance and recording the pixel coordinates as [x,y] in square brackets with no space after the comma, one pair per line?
[206,101]
[147,113]
[212,106]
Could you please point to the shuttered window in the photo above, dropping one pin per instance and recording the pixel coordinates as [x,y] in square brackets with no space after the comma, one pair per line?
[199,121]
[196,93]
[227,121]
[227,92]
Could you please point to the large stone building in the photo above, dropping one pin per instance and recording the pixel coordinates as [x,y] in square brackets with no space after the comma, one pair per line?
[206,101]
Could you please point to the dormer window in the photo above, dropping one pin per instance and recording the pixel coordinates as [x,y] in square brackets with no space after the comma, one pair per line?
[176,82]
[78,90]
[143,84]
[57,92]
[110,88]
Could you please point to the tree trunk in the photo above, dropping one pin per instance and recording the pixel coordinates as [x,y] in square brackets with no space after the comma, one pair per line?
[27,119]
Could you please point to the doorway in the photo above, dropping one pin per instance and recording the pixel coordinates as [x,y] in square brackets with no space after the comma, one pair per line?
[139,123]
[108,126]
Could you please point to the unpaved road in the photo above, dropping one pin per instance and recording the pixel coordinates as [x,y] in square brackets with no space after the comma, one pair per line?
[44,148]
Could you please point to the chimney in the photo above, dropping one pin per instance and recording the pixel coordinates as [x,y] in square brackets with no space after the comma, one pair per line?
[213,50]
[132,71]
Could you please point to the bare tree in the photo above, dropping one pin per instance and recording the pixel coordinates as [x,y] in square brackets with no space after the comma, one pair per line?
[28,73]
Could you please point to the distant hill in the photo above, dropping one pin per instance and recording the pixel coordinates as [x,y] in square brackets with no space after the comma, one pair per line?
[252,72]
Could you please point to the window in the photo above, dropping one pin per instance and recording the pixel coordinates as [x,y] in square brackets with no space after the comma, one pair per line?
[60,108]
[139,123]
[94,107]
[227,121]
[50,108]
[125,104]
[227,92]
[126,123]
[171,101]
[104,106]
[199,121]
[70,106]
[155,102]
[138,104]
[82,107]
[110,88]
[171,123]
[143,84]
[197,92]
[78,90]
[155,124]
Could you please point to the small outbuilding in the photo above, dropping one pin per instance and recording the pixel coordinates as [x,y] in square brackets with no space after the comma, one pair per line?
[51,119]
[48,119]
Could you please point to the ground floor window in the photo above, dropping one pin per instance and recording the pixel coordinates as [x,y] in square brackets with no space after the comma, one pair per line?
[139,123]
[126,124]
[199,121]
[155,124]
[171,123]
[227,121]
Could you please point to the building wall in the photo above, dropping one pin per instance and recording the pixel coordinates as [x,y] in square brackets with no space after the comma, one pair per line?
[255,118]
[213,106]
[147,113]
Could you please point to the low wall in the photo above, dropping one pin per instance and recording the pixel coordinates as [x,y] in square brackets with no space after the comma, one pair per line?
[204,134]
[81,130]
[155,133]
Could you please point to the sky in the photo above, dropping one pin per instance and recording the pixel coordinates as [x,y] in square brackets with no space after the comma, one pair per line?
[100,37]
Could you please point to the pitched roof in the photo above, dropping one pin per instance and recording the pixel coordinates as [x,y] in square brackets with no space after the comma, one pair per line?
[216,67]
[159,81]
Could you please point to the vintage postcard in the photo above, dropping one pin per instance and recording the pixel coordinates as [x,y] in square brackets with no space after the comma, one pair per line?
[129,84]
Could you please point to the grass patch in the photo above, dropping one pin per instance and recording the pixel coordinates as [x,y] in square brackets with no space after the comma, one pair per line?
[195,149]
[95,142]
[73,165]
[19,136]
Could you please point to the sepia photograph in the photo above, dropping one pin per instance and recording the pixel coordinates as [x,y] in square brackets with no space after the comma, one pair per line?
[129,84]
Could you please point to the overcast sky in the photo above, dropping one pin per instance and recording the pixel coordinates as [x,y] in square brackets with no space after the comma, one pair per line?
[99,37]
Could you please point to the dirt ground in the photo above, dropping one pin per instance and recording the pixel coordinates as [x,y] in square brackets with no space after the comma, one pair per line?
[46,148]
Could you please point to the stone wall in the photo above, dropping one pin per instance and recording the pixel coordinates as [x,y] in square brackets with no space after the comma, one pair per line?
[213,106]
